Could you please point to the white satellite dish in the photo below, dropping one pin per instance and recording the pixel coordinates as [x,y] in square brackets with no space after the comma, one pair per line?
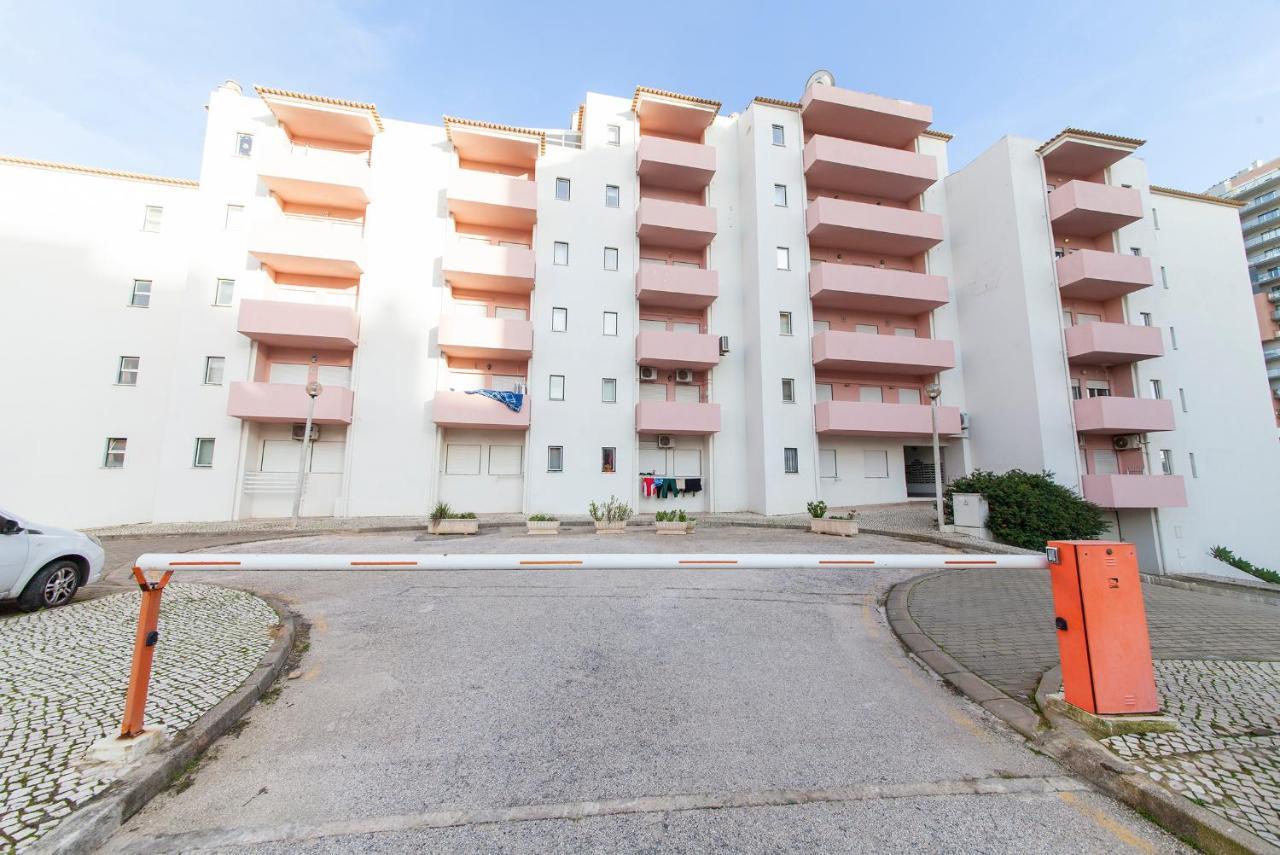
[821,76]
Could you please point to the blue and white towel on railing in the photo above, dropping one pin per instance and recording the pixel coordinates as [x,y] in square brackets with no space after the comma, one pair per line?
[513,400]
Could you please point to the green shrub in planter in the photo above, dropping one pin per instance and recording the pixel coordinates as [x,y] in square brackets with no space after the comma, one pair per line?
[541,518]
[817,509]
[1028,509]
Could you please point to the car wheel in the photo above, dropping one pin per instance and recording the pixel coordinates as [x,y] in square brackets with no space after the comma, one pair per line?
[53,586]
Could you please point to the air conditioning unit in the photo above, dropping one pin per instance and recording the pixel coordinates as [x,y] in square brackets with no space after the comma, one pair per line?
[648,372]
[664,441]
[299,431]
[684,375]
[964,420]
[1126,442]
[724,345]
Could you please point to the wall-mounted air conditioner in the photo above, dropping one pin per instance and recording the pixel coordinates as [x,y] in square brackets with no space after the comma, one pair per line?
[299,431]
[665,441]
[1126,442]
[648,372]
[684,375]
[724,345]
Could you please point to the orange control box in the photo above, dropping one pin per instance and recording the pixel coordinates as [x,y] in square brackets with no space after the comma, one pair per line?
[1102,627]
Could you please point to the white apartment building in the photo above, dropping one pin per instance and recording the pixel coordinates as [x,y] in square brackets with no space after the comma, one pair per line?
[661,302]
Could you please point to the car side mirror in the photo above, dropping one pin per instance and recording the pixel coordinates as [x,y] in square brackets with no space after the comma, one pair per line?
[8,526]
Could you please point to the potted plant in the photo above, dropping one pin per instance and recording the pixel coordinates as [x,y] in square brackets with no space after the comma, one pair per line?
[610,517]
[542,524]
[817,510]
[842,525]
[445,520]
[689,522]
[671,522]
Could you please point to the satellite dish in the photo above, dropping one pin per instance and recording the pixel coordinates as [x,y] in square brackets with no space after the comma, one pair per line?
[821,76]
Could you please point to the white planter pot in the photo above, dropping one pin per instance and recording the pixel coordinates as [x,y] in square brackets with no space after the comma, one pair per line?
[455,527]
[615,527]
[840,528]
[543,526]
[671,527]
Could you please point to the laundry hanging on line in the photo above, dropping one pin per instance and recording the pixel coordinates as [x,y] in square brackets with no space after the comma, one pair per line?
[513,400]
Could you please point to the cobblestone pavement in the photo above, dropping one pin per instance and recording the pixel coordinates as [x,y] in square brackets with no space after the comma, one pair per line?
[1227,755]
[62,678]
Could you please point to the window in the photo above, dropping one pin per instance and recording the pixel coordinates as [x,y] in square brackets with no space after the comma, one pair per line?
[609,390]
[140,296]
[1157,390]
[1164,278]
[790,457]
[610,258]
[559,319]
[871,394]
[244,144]
[213,368]
[1146,318]
[562,189]
[1098,389]
[610,323]
[612,196]
[1182,398]
[204,453]
[875,464]
[608,460]
[561,256]
[826,463]
[1155,218]
[615,135]
[1136,250]
[151,219]
[127,371]
[1191,458]
[556,389]
[114,458]
[1075,389]
[224,292]
[506,459]
[234,219]
[779,135]
[788,390]
[784,323]
[780,195]
[1173,338]
[555,458]
[461,459]
[784,258]
[1166,461]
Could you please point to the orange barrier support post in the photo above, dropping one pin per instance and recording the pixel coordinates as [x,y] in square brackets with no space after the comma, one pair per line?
[1102,627]
[144,650]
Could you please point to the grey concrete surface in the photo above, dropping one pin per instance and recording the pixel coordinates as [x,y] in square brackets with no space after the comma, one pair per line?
[471,692]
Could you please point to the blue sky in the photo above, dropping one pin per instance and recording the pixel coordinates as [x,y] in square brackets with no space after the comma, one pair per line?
[123,84]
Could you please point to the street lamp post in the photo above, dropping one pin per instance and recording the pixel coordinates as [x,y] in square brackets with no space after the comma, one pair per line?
[935,391]
[313,391]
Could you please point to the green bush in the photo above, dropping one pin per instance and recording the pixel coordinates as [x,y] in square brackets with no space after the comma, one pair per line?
[1028,509]
[541,518]
[614,510]
[1226,556]
[442,511]
[817,509]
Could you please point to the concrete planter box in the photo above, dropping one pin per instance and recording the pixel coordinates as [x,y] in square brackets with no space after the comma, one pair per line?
[455,526]
[672,527]
[543,526]
[841,528]
[615,527]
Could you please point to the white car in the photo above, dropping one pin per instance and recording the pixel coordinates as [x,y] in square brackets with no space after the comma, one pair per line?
[42,566]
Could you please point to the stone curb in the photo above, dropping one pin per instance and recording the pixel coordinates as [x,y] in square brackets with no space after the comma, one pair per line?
[1069,744]
[86,829]
[1226,588]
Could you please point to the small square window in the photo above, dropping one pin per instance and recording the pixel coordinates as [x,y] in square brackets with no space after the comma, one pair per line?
[559,319]
[151,219]
[555,389]
[779,135]
[614,135]
[140,296]
[1164,278]
[790,457]
[610,258]
[1173,338]
[780,195]
[1155,218]
[1166,461]
[561,253]
[555,458]
[1136,250]
[610,323]
[784,323]
[1156,388]
[562,189]
[213,370]
[1191,457]
[235,218]
[244,144]
[788,390]
[224,292]
[114,457]
[1146,318]
[612,196]
[204,453]
[875,464]
[1182,398]
[127,371]
[608,460]
[609,390]
[784,258]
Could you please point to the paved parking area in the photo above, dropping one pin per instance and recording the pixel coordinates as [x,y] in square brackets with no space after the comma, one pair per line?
[617,710]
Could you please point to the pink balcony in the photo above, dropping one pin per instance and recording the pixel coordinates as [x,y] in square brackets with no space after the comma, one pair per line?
[343,125]
[460,410]
[661,222]
[1112,344]
[1109,415]
[862,116]
[1135,491]
[686,418]
[477,266]
[875,289]
[869,170]
[862,418]
[288,402]
[666,349]
[882,354]
[1088,274]
[1088,209]
[1084,155]
[676,164]
[675,286]
[306,325]
[492,199]
[842,224]
[294,245]
[486,338]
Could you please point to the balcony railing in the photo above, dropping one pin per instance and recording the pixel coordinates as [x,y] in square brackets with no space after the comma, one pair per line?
[492,199]
[875,289]
[479,266]
[848,166]
[1261,220]
[1266,237]
[1112,344]
[1269,196]
[293,324]
[681,225]
[685,418]
[1135,491]
[867,418]
[675,163]
[882,354]
[1269,276]
[1088,274]
[288,402]
[676,286]
[486,338]
[458,409]
[671,349]
[1108,415]
[862,116]
[302,245]
[845,224]
[1088,209]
